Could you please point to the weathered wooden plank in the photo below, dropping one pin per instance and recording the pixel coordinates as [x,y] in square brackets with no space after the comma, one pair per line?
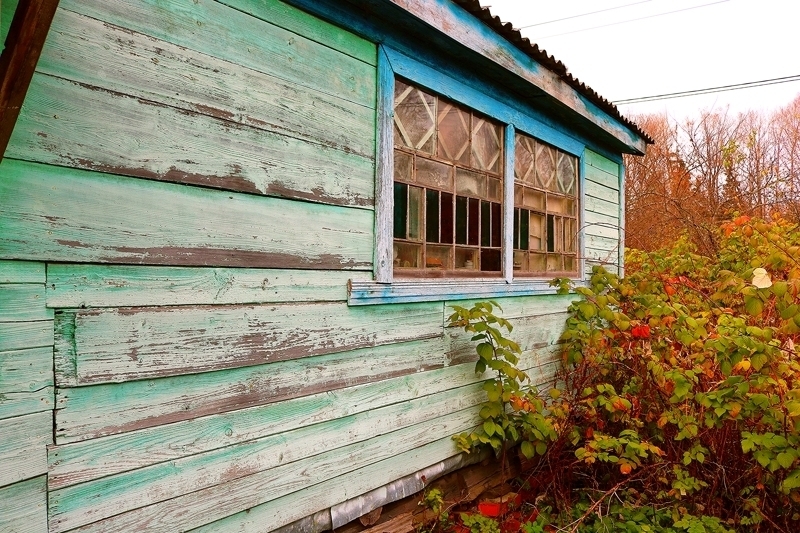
[597,242]
[23,453]
[21,272]
[157,70]
[600,191]
[202,506]
[7,10]
[93,217]
[287,509]
[601,206]
[23,302]
[596,160]
[21,335]
[23,507]
[533,334]
[90,412]
[592,217]
[297,21]
[26,381]
[517,307]
[76,285]
[101,130]
[123,492]
[601,229]
[384,171]
[118,345]
[595,177]
[229,34]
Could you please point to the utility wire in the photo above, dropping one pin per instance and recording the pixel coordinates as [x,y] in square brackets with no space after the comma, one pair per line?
[583,14]
[632,20]
[710,90]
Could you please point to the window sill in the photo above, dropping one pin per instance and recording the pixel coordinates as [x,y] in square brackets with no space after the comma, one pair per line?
[432,290]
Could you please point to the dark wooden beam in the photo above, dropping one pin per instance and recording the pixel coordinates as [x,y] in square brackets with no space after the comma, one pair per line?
[24,44]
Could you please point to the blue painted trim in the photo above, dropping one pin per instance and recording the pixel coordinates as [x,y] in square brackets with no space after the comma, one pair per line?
[454,89]
[383,22]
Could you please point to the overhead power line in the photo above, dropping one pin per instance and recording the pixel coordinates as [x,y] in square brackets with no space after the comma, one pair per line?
[710,90]
[583,14]
[633,20]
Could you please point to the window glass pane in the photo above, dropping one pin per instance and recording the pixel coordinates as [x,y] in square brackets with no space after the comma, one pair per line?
[567,170]
[523,159]
[487,141]
[461,220]
[438,257]
[495,190]
[403,165]
[490,260]
[432,216]
[473,222]
[537,226]
[400,210]
[545,167]
[407,255]
[486,224]
[470,183]
[524,230]
[434,174]
[453,136]
[497,226]
[415,213]
[414,112]
[467,258]
[446,211]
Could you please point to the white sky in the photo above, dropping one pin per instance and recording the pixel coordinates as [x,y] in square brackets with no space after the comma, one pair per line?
[727,42]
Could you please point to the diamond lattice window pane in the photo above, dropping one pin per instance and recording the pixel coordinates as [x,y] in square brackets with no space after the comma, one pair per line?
[414,118]
[545,167]
[453,135]
[567,168]
[523,159]
[486,143]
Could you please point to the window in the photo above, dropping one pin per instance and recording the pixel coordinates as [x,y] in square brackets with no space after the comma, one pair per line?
[448,187]
[545,209]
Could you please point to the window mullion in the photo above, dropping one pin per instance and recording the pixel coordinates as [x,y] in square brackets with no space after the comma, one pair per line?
[508,205]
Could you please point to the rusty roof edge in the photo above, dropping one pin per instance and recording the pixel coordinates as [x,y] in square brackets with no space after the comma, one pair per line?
[513,36]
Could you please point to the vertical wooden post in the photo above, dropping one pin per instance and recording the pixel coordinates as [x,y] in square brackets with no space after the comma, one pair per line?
[582,217]
[384,161]
[24,44]
[621,268]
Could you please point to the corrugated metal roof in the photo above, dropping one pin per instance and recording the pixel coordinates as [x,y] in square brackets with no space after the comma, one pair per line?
[513,35]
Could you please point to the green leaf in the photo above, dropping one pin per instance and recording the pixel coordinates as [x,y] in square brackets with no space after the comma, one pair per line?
[786,459]
[541,448]
[527,449]
[489,427]
[753,305]
[485,351]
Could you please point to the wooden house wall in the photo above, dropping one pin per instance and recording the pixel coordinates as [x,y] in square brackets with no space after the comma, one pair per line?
[188,189]
[602,224]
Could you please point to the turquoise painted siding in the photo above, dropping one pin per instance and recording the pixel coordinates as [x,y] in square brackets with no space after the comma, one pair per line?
[188,191]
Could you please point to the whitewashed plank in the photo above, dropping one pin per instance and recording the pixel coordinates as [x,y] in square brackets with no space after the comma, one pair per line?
[23,302]
[285,510]
[602,192]
[598,242]
[123,492]
[21,335]
[93,217]
[599,218]
[200,507]
[90,412]
[521,306]
[23,507]
[601,206]
[23,453]
[599,228]
[239,38]
[74,285]
[384,171]
[21,272]
[123,344]
[599,162]
[98,129]
[156,70]
[26,381]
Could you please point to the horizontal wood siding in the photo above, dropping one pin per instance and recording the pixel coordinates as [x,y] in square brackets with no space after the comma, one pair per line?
[127,344]
[93,217]
[602,223]
[83,286]
[23,507]
[26,396]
